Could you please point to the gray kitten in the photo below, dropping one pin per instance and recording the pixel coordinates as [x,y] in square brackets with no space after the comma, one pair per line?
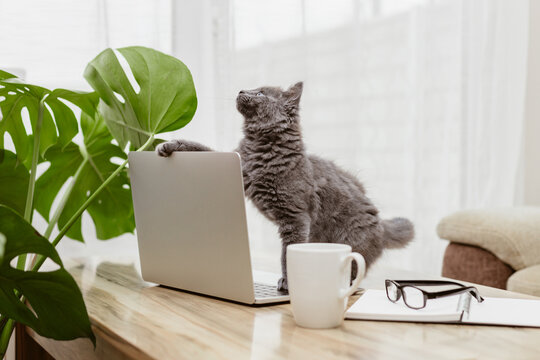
[309,198]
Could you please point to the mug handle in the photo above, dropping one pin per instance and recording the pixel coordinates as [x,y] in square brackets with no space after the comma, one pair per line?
[361,265]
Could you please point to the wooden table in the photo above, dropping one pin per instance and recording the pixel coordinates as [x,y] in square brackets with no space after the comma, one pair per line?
[133,319]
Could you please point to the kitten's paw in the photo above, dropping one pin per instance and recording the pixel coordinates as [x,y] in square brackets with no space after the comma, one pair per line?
[282,285]
[165,149]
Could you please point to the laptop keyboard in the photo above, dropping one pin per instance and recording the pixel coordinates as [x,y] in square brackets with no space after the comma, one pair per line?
[265,291]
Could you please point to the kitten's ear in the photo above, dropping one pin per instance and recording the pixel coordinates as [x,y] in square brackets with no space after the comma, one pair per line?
[293,94]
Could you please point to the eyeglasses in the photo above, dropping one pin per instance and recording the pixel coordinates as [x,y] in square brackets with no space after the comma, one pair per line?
[416,298]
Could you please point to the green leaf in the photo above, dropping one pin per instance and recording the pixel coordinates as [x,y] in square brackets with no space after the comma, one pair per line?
[5,75]
[59,121]
[112,210]
[86,101]
[166,100]
[58,306]
[13,181]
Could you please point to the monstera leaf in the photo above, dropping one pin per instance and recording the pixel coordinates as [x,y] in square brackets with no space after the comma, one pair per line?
[59,123]
[13,181]
[163,100]
[57,303]
[5,75]
[111,211]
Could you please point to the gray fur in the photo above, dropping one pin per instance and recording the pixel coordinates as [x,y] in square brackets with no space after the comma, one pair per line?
[310,199]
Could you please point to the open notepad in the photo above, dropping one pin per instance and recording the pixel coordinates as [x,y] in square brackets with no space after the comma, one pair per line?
[374,305]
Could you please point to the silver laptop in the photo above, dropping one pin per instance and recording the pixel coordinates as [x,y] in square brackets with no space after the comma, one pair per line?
[191,225]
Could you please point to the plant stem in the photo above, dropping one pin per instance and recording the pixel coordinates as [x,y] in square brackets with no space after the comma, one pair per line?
[79,212]
[61,205]
[65,197]
[5,335]
[28,209]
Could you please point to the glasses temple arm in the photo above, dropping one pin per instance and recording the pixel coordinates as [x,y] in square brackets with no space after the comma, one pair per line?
[427,282]
[470,289]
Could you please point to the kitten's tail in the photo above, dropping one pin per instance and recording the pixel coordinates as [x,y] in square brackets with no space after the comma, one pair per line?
[397,232]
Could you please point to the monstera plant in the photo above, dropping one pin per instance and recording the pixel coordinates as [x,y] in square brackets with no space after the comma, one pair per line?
[125,112]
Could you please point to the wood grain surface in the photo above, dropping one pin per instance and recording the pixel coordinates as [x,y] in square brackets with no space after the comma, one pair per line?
[133,319]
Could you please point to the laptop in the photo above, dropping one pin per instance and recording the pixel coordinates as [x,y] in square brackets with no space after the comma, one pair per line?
[191,225]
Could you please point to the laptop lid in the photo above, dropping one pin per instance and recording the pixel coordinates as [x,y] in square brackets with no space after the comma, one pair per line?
[191,222]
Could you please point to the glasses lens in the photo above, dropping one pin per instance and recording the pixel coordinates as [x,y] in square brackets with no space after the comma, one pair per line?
[392,291]
[413,297]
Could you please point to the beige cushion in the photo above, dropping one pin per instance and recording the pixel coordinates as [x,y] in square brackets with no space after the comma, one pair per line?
[525,281]
[512,234]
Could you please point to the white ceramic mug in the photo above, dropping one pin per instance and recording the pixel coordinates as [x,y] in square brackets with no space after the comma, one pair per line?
[318,276]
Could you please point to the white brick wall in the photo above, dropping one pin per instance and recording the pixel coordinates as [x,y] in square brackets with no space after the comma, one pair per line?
[382,99]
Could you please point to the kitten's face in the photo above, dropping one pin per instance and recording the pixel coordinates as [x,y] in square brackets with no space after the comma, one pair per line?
[269,102]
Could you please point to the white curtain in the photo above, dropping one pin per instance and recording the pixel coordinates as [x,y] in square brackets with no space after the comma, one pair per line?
[53,40]
[494,81]
[422,100]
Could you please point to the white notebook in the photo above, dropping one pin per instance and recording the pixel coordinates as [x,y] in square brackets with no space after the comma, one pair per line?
[374,305]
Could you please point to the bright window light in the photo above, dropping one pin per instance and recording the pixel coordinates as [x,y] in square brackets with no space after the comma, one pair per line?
[261,21]
[320,17]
